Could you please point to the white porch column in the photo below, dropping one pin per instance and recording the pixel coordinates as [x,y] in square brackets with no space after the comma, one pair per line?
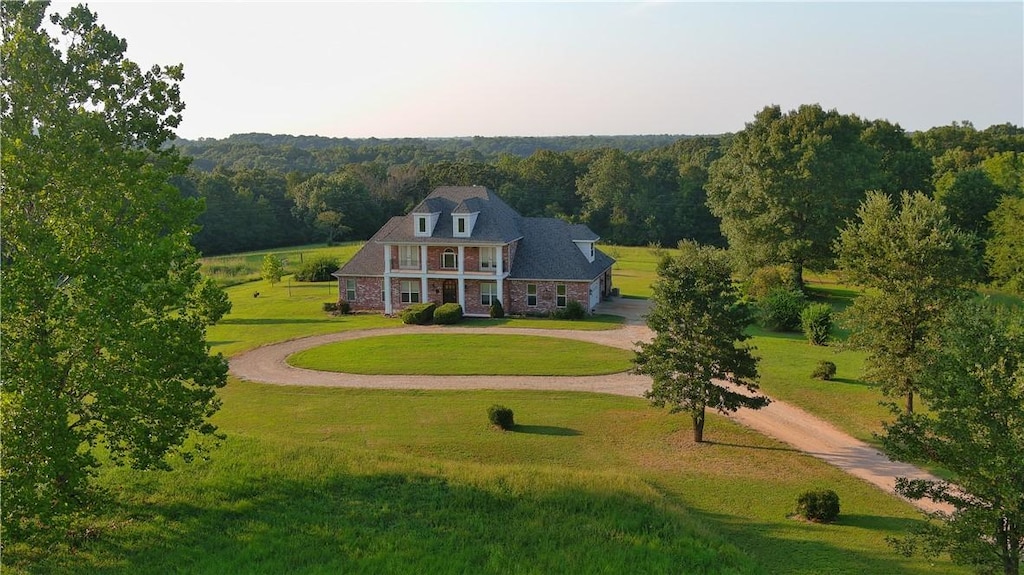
[423,258]
[387,279]
[462,277]
[500,269]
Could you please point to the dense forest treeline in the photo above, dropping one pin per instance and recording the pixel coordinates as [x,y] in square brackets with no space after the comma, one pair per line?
[263,191]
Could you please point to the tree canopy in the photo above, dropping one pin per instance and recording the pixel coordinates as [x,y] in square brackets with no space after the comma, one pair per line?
[786,182]
[917,263]
[697,354]
[104,311]
[974,387]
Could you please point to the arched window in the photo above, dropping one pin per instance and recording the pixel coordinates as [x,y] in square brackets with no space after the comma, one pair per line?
[449,260]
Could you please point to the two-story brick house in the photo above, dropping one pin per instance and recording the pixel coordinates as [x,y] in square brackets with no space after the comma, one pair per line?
[465,245]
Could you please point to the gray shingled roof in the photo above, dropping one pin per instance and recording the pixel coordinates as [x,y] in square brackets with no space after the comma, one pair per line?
[546,250]
[496,223]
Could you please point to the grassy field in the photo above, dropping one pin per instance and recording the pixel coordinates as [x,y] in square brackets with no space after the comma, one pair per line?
[465,354]
[314,480]
[242,268]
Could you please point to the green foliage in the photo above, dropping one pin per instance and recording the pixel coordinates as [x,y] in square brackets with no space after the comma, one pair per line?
[825,370]
[344,307]
[573,311]
[780,310]
[331,306]
[765,279]
[317,269]
[496,310]
[419,313]
[1004,251]
[819,505]
[917,264]
[501,416]
[698,322]
[272,269]
[104,312]
[816,320]
[448,314]
[785,182]
[968,196]
[972,383]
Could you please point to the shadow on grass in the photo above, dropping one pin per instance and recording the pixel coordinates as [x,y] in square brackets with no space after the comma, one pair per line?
[759,447]
[272,321]
[794,547]
[850,381]
[396,523]
[546,430]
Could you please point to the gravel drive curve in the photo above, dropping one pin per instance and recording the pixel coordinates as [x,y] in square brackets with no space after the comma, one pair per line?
[779,420]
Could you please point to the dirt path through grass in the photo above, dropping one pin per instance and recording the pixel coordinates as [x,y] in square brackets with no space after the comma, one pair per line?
[779,420]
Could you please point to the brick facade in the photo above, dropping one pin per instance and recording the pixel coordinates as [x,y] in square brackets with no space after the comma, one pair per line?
[547,295]
[368,293]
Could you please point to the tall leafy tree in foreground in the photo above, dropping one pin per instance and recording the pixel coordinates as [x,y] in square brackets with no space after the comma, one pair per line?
[104,312]
[916,264]
[697,359]
[974,386]
[1004,251]
[787,181]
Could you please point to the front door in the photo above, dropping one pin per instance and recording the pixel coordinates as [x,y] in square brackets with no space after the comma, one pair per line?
[450,291]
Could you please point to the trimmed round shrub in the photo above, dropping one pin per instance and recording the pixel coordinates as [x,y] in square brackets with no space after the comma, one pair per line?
[780,309]
[317,269]
[418,313]
[766,279]
[819,505]
[331,306]
[825,370]
[496,310]
[344,306]
[816,319]
[448,314]
[501,416]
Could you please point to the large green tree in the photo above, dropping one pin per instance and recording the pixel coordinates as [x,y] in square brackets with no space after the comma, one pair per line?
[104,312]
[697,359]
[974,386]
[916,264]
[787,181]
[1004,251]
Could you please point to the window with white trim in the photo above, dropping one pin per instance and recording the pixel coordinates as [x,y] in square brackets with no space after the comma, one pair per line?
[488,259]
[560,295]
[350,289]
[531,294]
[409,257]
[488,293]
[421,224]
[449,259]
[460,225]
[411,291]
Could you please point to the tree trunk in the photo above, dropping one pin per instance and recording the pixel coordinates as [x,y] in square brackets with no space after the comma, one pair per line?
[796,276]
[698,426]
[910,402]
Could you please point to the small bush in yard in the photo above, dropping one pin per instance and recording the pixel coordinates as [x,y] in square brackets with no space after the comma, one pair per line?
[330,306]
[318,269]
[501,416]
[819,506]
[496,310]
[573,310]
[344,306]
[418,313]
[766,279]
[780,309]
[816,319]
[825,370]
[448,314]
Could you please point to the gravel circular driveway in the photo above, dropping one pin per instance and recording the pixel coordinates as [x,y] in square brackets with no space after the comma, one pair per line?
[779,420]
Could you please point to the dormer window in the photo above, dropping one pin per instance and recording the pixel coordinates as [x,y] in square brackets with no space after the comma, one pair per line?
[421,224]
[462,224]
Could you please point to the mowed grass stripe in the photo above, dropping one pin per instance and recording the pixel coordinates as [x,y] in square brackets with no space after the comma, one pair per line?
[464,354]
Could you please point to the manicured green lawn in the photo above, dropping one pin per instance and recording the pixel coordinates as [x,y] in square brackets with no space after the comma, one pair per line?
[235,269]
[594,322]
[465,354]
[635,269]
[314,480]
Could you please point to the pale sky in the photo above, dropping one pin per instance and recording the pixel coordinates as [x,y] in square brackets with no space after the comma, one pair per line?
[532,69]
